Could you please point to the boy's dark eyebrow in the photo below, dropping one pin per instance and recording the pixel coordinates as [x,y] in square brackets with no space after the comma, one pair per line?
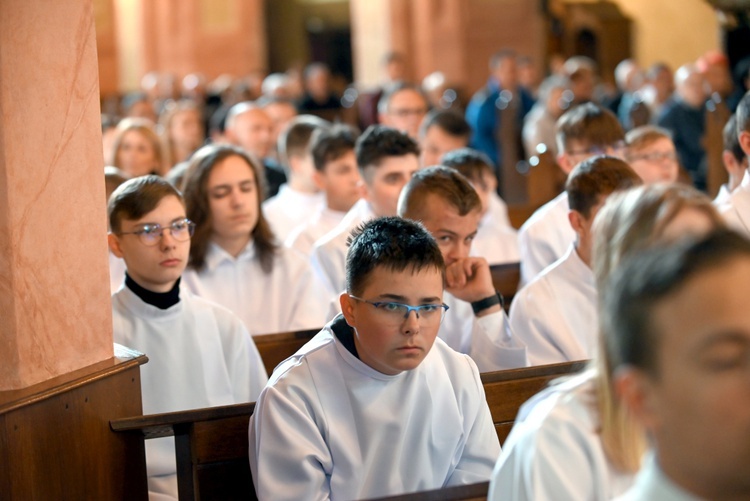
[402,299]
[453,233]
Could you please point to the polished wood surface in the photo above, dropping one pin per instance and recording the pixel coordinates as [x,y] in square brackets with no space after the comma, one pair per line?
[55,440]
[507,390]
[505,278]
[212,445]
[275,348]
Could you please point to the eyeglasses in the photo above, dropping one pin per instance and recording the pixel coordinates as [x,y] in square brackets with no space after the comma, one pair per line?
[616,147]
[395,313]
[150,234]
[655,157]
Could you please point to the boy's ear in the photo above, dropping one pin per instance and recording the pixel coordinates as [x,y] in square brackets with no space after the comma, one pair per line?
[347,308]
[318,179]
[744,139]
[576,220]
[114,244]
[636,393]
[564,161]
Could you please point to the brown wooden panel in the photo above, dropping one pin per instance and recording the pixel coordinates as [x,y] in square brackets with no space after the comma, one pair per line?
[56,442]
[507,390]
[220,440]
[503,430]
[505,279]
[469,492]
[225,481]
[275,348]
[518,214]
[716,118]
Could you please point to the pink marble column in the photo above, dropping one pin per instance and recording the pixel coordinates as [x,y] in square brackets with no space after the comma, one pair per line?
[55,314]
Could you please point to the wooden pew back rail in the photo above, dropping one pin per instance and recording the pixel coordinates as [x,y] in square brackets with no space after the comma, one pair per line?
[211,444]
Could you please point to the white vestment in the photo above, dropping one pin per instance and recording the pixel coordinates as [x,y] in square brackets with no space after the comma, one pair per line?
[488,340]
[554,452]
[116,272]
[289,209]
[555,316]
[289,298]
[545,237]
[651,484]
[496,240]
[722,197]
[199,355]
[736,211]
[304,237]
[328,256]
[328,426]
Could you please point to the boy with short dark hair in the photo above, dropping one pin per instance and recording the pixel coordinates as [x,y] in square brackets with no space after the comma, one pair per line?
[734,160]
[337,176]
[678,332]
[299,196]
[374,404]
[582,132]
[200,354]
[386,159]
[496,240]
[448,206]
[555,315]
[736,209]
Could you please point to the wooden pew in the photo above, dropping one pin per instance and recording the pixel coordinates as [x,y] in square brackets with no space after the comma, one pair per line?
[211,444]
[472,492]
[505,278]
[275,348]
[507,390]
[717,115]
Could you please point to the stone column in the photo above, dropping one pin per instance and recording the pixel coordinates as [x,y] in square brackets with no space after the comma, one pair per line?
[55,313]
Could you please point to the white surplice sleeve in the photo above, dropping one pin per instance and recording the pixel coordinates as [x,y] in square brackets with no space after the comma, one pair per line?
[494,346]
[289,457]
[482,446]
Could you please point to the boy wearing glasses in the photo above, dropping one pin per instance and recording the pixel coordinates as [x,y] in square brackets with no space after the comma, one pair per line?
[583,132]
[652,155]
[200,354]
[375,405]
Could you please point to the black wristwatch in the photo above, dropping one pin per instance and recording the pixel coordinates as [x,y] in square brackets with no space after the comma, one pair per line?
[487,302]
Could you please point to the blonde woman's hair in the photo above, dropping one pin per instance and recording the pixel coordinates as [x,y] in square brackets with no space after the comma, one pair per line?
[146,128]
[630,221]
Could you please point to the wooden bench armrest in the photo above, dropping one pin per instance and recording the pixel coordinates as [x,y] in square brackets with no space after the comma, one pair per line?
[164,425]
[469,492]
[561,369]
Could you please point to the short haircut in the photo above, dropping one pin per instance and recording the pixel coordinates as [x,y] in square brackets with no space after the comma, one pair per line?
[588,123]
[379,142]
[390,243]
[136,197]
[743,114]
[595,178]
[329,144]
[449,121]
[195,186]
[644,280]
[385,100]
[295,138]
[644,136]
[444,182]
[732,140]
[473,164]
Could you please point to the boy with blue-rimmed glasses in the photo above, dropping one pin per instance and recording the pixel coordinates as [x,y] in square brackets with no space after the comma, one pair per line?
[375,404]
[200,354]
